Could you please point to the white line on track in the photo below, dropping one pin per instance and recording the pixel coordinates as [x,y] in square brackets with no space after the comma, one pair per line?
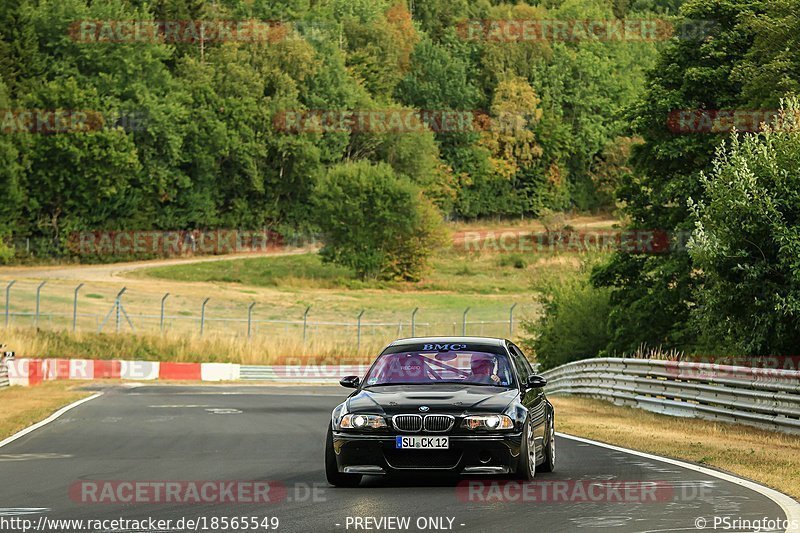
[789,505]
[47,420]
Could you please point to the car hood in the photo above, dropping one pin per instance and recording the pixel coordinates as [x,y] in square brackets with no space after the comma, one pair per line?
[452,399]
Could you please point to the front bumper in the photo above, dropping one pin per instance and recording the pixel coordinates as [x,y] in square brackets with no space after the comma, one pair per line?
[468,454]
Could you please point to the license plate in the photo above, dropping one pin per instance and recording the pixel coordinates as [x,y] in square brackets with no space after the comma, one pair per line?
[422,443]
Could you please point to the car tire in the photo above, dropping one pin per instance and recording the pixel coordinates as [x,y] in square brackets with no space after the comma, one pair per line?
[526,469]
[549,463]
[336,478]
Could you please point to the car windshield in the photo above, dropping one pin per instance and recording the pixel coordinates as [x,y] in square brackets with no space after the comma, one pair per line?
[468,367]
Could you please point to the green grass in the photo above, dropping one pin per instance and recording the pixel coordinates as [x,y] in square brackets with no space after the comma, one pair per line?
[261,272]
[450,271]
[23,406]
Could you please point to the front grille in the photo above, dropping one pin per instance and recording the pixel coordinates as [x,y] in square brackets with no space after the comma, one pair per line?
[422,458]
[411,423]
[438,423]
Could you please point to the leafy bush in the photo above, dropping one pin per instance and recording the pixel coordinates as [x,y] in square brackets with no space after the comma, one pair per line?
[376,222]
[6,252]
[573,325]
[747,241]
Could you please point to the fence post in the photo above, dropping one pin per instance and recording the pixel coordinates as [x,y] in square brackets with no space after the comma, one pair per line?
[38,292]
[414,321]
[8,294]
[161,321]
[203,316]
[75,308]
[464,322]
[250,318]
[305,323]
[358,334]
[117,305]
[511,320]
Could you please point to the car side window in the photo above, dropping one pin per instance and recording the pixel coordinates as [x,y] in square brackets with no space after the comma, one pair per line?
[523,367]
[525,361]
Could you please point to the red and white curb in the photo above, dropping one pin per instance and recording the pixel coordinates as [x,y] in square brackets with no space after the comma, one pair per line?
[25,371]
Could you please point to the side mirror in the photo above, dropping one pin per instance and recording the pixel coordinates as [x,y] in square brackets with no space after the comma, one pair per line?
[351,382]
[536,382]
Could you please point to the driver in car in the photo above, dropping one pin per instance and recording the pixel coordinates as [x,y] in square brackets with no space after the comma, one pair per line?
[482,366]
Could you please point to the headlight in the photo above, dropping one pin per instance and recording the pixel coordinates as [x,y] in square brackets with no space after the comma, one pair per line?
[490,422]
[357,421]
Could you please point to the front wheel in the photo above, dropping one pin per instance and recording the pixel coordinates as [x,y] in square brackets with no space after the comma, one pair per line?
[526,469]
[549,463]
[336,478]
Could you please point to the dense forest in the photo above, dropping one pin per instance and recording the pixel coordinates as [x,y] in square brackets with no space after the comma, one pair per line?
[187,134]
[160,133]
[733,187]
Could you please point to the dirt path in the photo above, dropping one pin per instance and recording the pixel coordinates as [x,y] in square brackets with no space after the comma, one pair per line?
[116,271]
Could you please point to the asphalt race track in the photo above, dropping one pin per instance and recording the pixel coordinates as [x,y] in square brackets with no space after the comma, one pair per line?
[276,434]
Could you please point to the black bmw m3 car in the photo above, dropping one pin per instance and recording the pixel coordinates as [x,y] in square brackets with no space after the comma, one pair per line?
[464,405]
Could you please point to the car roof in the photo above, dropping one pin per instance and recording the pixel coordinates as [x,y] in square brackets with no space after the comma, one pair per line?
[492,341]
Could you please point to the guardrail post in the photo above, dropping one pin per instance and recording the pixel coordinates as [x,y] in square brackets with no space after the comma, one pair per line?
[358,332]
[250,318]
[305,324]
[38,293]
[203,316]
[511,320]
[161,321]
[464,322]
[75,308]
[414,321]
[8,294]
[118,306]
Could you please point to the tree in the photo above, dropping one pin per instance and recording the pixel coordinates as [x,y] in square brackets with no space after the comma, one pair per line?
[652,295]
[771,68]
[568,329]
[511,138]
[747,241]
[375,222]
[11,192]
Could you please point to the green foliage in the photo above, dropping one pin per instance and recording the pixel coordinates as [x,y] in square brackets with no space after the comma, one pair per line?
[573,324]
[375,222]
[772,66]
[206,152]
[747,241]
[652,295]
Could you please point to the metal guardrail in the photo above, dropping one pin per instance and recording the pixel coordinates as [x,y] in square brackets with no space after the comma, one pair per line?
[300,373]
[760,397]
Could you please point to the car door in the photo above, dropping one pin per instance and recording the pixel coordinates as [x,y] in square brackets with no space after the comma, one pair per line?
[532,399]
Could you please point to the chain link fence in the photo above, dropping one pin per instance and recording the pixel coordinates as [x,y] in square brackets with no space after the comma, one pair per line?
[82,307]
